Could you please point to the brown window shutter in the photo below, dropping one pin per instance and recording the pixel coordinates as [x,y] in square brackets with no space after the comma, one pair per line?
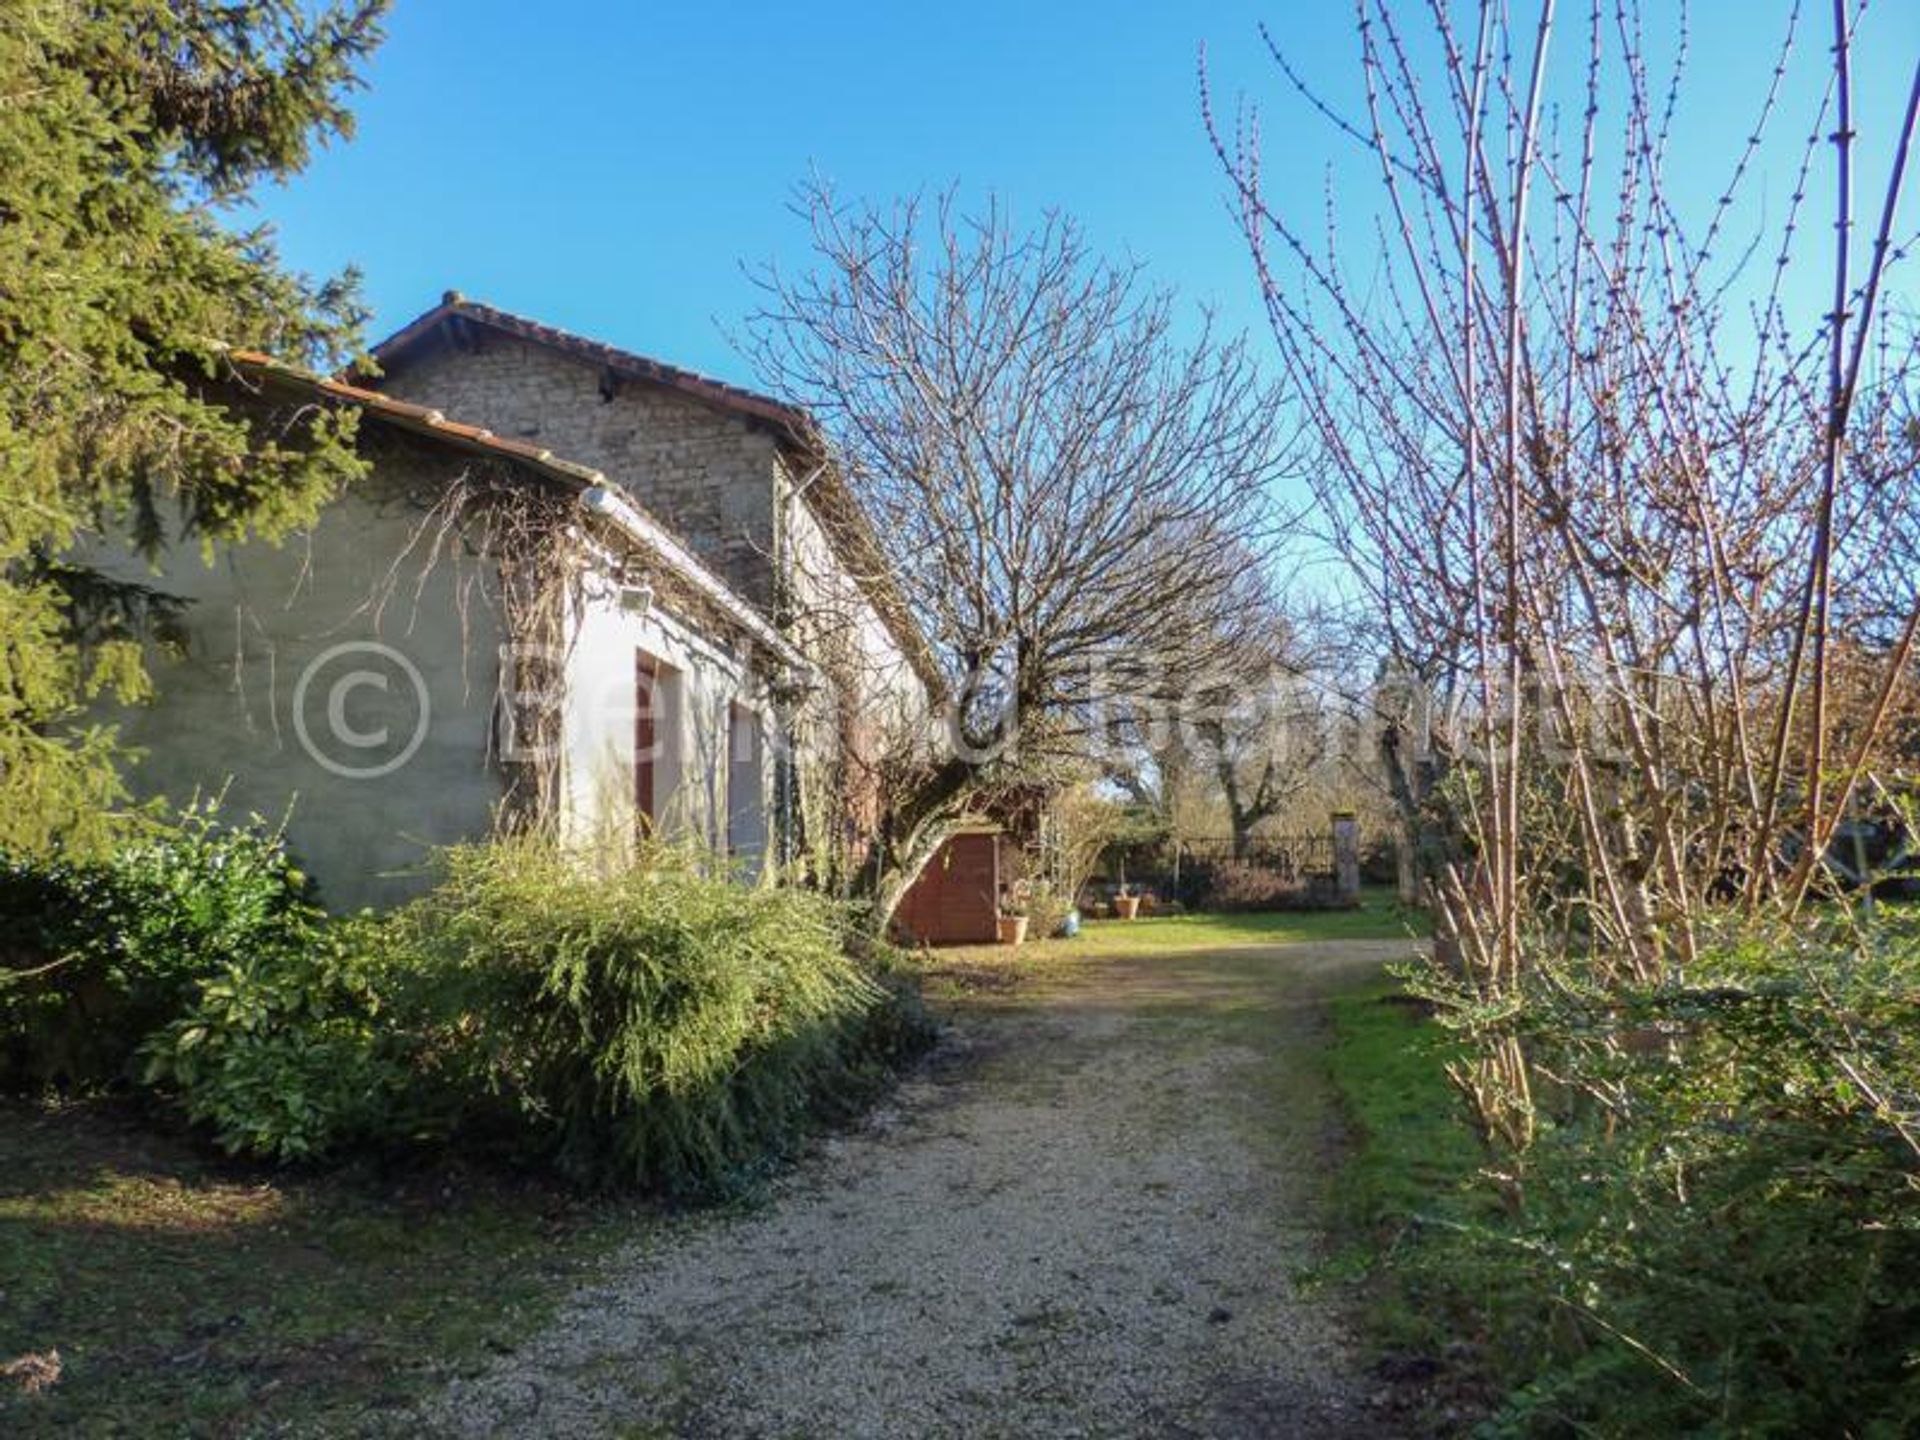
[646,674]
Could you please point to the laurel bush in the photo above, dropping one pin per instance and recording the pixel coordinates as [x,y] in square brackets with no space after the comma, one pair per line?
[96,954]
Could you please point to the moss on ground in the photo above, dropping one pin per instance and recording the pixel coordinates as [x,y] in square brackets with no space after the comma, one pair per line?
[189,1294]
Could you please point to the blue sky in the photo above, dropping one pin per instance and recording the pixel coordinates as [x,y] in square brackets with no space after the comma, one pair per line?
[608,167]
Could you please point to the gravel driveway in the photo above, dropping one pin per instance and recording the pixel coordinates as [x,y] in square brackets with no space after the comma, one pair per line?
[1082,1216]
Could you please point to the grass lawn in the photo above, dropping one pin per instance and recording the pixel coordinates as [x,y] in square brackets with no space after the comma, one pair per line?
[189,1294]
[1379,917]
[1408,1167]
[1411,1147]
[982,972]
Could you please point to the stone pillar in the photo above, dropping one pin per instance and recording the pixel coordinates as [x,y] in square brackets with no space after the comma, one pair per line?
[1346,856]
[1406,860]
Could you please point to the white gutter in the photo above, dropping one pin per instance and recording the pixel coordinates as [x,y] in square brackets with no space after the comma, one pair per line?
[596,496]
[609,505]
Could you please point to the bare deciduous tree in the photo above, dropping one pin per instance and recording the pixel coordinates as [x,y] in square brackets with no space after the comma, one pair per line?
[1240,739]
[1261,727]
[1068,490]
[1591,472]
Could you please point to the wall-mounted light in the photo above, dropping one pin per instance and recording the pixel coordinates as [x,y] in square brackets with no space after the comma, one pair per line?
[636,598]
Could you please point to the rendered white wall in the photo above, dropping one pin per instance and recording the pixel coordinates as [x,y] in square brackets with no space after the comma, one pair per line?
[261,617]
[693,725]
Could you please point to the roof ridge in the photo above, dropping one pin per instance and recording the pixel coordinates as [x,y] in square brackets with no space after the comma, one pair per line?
[646,367]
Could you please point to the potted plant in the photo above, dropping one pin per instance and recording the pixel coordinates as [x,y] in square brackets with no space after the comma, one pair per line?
[1014,914]
[1126,904]
[1013,925]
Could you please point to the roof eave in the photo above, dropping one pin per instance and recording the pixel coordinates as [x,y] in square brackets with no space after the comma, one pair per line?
[591,486]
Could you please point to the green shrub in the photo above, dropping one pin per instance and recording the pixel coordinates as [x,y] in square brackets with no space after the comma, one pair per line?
[658,1026]
[95,956]
[284,1054]
[1045,907]
[1235,886]
[1719,1227]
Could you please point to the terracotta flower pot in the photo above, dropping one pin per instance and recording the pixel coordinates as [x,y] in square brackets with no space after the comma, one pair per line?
[1127,907]
[1013,929]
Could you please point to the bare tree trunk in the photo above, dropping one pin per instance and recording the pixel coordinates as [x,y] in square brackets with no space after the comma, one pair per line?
[910,835]
[1242,832]
[1406,789]
[1406,866]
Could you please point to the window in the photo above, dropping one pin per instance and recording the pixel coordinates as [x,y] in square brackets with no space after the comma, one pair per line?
[653,731]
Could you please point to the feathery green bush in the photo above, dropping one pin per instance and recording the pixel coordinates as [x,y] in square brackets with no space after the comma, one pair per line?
[655,1026]
[1718,1229]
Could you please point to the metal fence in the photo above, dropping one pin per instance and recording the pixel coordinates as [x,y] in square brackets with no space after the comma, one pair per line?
[1188,869]
[1293,857]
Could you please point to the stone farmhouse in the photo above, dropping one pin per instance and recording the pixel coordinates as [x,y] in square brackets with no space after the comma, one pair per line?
[576,580]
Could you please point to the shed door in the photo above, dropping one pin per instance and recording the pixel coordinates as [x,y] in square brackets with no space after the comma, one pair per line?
[956,900]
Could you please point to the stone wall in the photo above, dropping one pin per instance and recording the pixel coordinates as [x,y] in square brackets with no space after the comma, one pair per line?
[706,474]
[723,483]
[347,682]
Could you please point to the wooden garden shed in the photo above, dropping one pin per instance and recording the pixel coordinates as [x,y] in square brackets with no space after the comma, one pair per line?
[956,899]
